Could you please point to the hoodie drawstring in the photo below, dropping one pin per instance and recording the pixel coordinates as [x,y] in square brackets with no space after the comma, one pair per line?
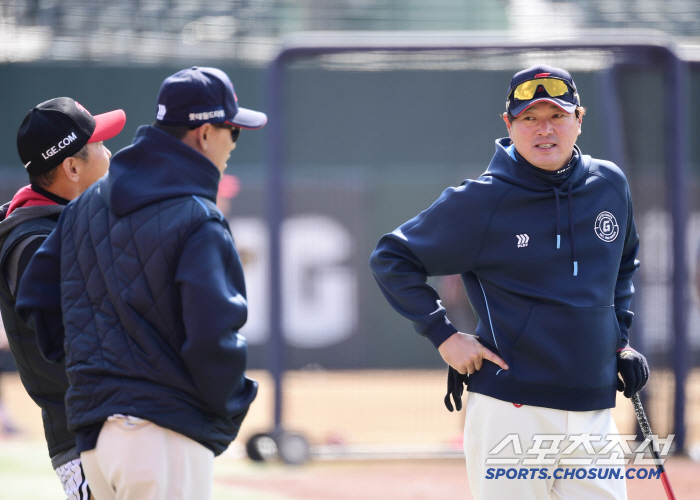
[571,227]
[556,195]
[573,234]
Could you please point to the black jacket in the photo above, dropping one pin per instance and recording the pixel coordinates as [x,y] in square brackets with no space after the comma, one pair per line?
[45,382]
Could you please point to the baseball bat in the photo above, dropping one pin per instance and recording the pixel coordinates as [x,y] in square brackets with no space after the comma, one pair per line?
[646,430]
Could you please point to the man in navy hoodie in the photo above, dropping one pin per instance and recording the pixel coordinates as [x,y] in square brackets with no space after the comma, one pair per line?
[61,147]
[142,284]
[546,246]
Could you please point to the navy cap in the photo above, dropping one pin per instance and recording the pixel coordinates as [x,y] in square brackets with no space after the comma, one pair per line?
[196,96]
[568,102]
[59,128]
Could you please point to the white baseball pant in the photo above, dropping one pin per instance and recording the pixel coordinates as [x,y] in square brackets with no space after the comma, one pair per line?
[489,421]
[138,460]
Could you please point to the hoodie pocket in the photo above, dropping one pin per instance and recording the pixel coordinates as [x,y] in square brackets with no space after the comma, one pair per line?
[567,347]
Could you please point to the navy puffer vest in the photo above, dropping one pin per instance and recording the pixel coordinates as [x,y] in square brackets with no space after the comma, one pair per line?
[123,317]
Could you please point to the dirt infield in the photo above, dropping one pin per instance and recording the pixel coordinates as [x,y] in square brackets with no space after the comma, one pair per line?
[416,480]
[25,474]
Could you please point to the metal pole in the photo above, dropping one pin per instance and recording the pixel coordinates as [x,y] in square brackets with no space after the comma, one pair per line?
[675,154]
[613,127]
[613,123]
[275,216]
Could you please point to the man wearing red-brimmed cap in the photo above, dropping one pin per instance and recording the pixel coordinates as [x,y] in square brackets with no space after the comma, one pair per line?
[148,317]
[61,146]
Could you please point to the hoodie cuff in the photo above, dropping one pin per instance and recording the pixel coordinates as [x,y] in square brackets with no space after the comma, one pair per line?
[441,332]
[624,337]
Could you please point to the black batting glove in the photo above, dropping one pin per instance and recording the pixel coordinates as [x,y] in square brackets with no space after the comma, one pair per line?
[455,388]
[633,369]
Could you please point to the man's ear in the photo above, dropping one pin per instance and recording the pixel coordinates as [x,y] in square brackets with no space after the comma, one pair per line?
[204,133]
[505,119]
[198,138]
[71,168]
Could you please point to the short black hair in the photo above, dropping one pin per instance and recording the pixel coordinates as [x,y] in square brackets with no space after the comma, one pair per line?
[83,154]
[45,179]
[177,131]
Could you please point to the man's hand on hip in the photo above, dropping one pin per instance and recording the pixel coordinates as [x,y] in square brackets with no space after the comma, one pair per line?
[464,353]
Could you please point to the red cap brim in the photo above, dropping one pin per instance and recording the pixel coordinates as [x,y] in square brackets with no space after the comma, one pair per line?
[107,125]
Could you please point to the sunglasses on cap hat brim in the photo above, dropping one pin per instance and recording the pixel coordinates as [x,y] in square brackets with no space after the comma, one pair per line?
[556,91]
[527,90]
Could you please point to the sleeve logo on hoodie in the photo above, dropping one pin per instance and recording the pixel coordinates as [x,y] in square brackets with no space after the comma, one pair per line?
[606,227]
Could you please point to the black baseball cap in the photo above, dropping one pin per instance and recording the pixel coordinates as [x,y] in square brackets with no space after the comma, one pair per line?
[198,95]
[568,101]
[58,128]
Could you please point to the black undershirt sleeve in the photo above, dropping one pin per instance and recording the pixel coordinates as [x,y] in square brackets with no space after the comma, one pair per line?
[25,257]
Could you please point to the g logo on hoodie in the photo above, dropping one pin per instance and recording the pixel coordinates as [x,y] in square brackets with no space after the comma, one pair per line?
[606,227]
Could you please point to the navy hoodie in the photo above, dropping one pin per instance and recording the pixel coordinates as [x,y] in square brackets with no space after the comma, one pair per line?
[548,271]
[142,272]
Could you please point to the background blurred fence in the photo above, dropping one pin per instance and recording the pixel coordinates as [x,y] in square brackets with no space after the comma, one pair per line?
[368,140]
[154,31]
